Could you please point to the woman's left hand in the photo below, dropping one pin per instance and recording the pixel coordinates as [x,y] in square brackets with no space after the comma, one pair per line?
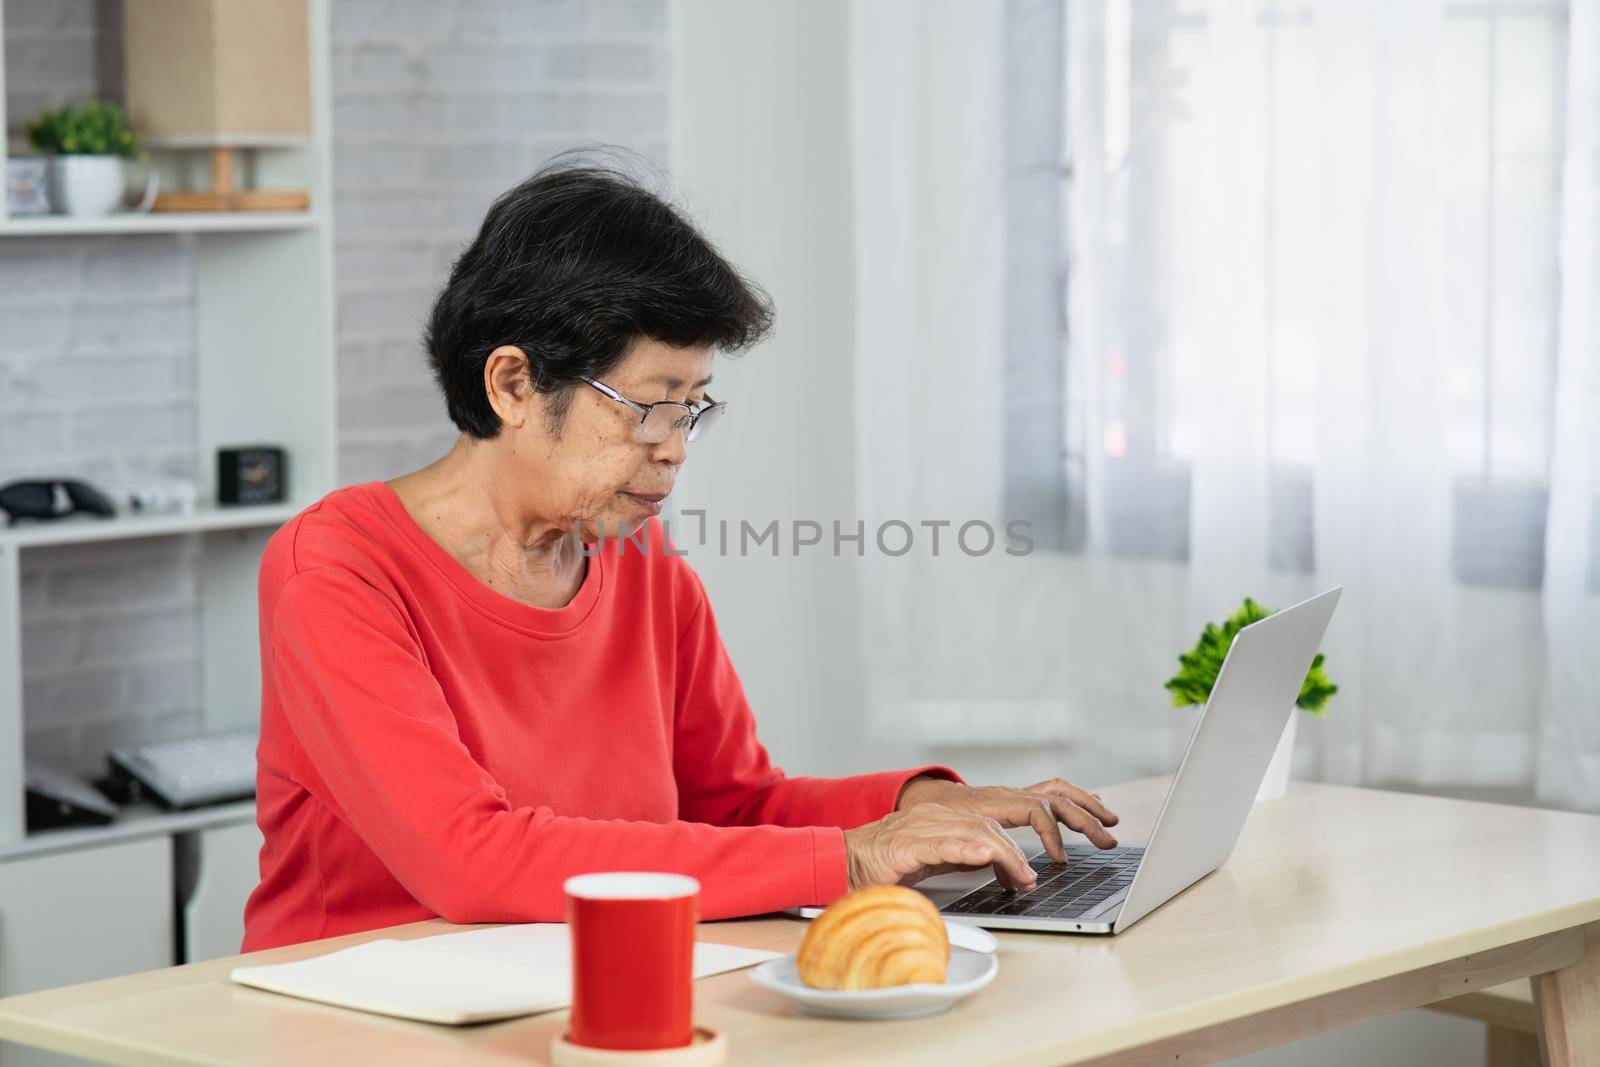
[1043,806]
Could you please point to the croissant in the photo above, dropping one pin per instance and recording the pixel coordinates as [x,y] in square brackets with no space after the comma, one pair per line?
[882,936]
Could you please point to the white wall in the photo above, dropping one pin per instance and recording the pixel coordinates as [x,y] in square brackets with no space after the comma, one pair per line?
[763,165]
[764,161]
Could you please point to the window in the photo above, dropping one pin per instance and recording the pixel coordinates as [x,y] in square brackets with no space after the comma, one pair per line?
[1133,79]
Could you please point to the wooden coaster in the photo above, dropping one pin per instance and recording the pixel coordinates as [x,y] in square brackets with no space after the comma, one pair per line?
[708,1047]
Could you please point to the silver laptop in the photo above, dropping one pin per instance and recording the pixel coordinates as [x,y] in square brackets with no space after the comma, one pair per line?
[1104,891]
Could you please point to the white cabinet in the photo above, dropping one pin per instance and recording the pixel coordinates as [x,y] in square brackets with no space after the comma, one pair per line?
[227,860]
[75,916]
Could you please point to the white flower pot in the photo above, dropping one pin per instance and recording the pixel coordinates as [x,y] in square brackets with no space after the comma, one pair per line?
[86,185]
[1276,783]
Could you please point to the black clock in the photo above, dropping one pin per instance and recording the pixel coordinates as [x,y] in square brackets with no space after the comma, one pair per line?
[251,475]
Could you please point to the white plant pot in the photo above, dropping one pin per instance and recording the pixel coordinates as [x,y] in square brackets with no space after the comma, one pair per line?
[1276,783]
[86,185]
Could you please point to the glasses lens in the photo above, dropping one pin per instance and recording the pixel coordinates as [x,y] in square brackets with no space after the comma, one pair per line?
[707,419]
[662,421]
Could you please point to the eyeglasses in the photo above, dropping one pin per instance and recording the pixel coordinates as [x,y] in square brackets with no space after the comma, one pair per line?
[661,420]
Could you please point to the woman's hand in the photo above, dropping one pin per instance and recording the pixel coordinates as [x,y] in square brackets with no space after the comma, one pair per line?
[1042,806]
[925,839]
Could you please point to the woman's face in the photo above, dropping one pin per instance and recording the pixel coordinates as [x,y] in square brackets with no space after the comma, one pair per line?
[594,475]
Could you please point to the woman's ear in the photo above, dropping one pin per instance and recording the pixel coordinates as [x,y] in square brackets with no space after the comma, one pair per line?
[505,380]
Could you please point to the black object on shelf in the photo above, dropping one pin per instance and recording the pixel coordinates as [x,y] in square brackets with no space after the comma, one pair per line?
[53,498]
[55,799]
[257,474]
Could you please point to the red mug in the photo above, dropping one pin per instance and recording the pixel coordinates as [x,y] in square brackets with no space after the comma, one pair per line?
[632,959]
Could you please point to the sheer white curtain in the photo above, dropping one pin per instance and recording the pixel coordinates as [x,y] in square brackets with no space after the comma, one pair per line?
[1331,299]
[1569,757]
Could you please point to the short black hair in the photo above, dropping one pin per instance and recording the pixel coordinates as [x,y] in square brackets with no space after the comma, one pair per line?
[573,266]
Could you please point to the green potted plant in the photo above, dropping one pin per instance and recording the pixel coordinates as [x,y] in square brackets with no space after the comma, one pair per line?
[87,143]
[1197,673]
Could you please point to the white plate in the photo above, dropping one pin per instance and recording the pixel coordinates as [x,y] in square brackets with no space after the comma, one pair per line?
[975,938]
[968,973]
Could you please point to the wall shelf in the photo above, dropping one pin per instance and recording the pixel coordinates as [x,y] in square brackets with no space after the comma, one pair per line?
[79,529]
[135,821]
[163,222]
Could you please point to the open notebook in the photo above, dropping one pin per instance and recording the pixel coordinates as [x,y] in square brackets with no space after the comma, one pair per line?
[469,977]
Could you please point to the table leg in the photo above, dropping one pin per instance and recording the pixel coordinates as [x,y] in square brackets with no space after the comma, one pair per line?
[1510,1048]
[1568,1005]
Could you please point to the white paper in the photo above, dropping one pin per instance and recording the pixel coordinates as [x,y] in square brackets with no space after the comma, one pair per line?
[470,977]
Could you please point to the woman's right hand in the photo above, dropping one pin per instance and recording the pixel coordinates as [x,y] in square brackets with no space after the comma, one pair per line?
[907,846]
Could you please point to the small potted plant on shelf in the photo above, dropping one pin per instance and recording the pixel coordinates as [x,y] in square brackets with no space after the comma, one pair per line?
[1197,673]
[87,144]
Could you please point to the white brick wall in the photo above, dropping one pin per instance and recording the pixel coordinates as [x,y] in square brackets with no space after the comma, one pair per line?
[438,107]
[96,356]
[110,640]
[59,49]
[97,380]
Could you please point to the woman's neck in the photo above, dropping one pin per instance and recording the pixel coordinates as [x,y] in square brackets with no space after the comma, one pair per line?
[459,500]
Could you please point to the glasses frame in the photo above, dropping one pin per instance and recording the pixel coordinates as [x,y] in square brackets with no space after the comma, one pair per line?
[689,422]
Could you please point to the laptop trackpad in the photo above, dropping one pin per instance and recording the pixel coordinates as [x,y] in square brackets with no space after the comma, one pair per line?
[945,889]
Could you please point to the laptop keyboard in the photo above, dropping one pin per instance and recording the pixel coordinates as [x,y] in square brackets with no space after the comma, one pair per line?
[1090,878]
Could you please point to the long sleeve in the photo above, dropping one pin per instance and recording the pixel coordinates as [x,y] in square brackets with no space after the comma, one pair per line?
[725,775]
[377,743]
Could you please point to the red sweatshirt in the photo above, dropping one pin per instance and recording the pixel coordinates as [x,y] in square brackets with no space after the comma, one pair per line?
[431,747]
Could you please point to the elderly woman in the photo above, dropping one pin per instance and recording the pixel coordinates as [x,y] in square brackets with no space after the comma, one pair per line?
[473,689]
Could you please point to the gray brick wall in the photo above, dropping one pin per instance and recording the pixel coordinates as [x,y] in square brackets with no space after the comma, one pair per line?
[438,107]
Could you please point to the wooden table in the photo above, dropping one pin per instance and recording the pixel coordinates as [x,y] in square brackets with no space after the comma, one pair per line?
[1510,1018]
[1338,905]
